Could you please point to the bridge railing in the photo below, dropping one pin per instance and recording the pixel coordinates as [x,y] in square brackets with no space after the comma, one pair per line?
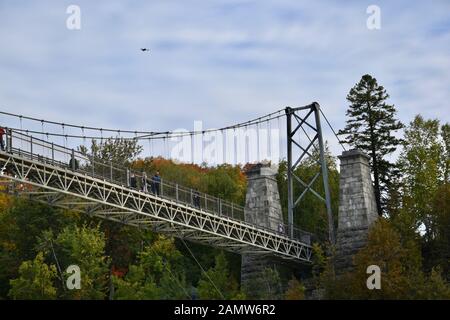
[50,153]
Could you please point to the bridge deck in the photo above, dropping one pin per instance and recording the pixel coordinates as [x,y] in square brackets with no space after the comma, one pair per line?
[101,189]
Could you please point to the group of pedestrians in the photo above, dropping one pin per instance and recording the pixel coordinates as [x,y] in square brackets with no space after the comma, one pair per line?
[153,184]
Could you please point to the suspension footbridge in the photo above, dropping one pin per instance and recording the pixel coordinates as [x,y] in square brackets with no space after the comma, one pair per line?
[39,169]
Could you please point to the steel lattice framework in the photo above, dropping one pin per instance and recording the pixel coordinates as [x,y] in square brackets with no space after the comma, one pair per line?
[66,188]
[302,121]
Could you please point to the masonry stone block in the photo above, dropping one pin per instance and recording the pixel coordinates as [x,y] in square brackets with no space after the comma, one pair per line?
[262,206]
[357,207]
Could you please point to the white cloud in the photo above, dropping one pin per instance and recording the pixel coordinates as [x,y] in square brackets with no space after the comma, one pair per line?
[220,61]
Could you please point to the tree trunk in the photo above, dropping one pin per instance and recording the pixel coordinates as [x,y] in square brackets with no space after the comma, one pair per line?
[374,163]
[376,183]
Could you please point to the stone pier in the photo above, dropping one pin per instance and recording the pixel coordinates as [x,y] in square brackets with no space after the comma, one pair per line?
[357,207]
[262,206]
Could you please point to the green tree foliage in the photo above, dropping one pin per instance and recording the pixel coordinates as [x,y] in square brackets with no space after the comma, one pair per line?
[295,290]
[224,181]
[25,220]
[121,242]
[164,262]
[401,270]
[424,207]
[445,133]
[119,151]
[439,248]
[35,281]
[437,288]
[217,282]
[270,282]
[311,215]
[21,223]
[401,275]
[188,175]
[136,285]
[323,272]
[268,285]
[370,126]
[159,274]
[85,247]
[419,163]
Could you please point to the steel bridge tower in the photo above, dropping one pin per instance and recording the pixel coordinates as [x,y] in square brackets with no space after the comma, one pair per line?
[306,117]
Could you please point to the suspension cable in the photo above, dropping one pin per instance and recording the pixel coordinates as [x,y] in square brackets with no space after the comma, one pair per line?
[73,125]
[201,267]
[159,136]
[150,135]
[143,134]
[170,271]
[332,129]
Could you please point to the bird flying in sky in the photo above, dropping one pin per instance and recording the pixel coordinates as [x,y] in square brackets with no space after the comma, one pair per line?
[144,49]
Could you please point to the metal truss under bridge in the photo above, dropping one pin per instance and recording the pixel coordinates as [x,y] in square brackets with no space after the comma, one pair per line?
[45,172]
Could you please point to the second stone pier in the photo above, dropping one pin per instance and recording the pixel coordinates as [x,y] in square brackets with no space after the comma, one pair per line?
[357,207]
[262,207]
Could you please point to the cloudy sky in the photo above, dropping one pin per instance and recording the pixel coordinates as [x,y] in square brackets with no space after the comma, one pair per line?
[217,61]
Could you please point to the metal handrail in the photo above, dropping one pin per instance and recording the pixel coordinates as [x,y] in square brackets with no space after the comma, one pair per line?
[57,155]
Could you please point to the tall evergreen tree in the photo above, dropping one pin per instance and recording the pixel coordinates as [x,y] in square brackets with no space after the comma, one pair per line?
[445,134]
[370,126]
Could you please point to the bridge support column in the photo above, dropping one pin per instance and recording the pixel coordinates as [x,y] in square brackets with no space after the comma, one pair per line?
[262,207]
[357,207]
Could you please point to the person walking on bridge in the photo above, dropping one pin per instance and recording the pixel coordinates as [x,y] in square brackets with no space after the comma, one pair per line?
[73,163]
[156,183]
[281,228]
[2,143]
[196,199]
[144,182]
[133,181]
